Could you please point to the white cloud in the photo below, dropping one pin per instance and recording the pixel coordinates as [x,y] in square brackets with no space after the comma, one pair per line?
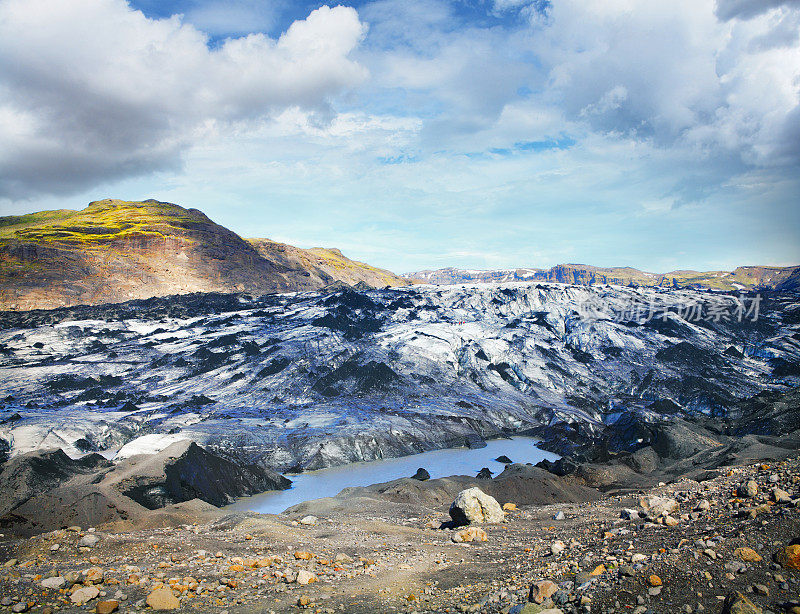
[674,73]
[92,90]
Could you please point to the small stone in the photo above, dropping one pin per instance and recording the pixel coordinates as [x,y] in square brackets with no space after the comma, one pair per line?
[557,547]
[163,599]
[510,507]
[598,571]
[303,555]
[748,489]
[629,514]
[305,577]
[542,590]
[84,595]
[748,555]
[627,571]
[89,541]
[559,516]
[53,583]
[658,506]
[22,606]
[780,496]
[304,601]
[94,575]
[702,506]
[760,589]
[789,556]
[654,591]
[309,520]
[654,580]
[471,534]
[736,603]
[106,607]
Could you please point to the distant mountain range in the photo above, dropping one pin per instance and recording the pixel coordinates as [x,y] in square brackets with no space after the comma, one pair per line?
[741,278]
[115,250]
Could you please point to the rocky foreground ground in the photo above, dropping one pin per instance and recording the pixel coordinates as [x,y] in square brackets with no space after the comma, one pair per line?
[730,543]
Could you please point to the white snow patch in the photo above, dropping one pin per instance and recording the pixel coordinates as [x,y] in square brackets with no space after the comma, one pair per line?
[147,444]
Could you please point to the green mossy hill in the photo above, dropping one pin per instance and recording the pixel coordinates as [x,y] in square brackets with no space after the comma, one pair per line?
[101,223]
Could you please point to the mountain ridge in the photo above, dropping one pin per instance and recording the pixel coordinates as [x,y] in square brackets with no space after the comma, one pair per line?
[749,277]
[115,250]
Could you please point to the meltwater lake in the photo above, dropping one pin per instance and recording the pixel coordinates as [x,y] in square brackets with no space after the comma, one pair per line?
[439,463]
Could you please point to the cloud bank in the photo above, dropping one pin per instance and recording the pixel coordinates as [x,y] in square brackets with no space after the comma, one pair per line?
[92,90]
[412,132]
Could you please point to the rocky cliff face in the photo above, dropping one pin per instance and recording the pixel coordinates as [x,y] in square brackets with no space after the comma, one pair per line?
[117,250]
[741,278]
[325,266]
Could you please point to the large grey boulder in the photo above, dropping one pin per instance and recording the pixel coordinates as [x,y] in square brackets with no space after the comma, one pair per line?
[475,506]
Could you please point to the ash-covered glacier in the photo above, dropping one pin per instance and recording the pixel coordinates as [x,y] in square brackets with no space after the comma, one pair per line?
[309,380]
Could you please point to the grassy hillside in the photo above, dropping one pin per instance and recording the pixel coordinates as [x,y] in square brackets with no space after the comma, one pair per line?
[101,223]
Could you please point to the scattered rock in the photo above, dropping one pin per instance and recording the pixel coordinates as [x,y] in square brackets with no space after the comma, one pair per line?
[485,474]
[94,575]
[55,582]
[789,556]
[163,599]
[658,506]
[309,521]
[471,534]
[736,603]
[107,607]
[89,541]
[305,577]
[748,489]
[557,547]
[748,555]
[780,496]
[542,590]
[84,595]
[475,506]
[421,475]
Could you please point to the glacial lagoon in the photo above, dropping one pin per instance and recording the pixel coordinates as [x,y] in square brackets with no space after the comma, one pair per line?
[439,463]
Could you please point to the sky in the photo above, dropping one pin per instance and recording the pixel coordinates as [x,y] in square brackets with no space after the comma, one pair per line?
[419,134]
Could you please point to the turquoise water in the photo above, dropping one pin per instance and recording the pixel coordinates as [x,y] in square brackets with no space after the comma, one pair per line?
[439,463]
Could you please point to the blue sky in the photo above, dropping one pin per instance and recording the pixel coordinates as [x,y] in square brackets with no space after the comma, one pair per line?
[421,133]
